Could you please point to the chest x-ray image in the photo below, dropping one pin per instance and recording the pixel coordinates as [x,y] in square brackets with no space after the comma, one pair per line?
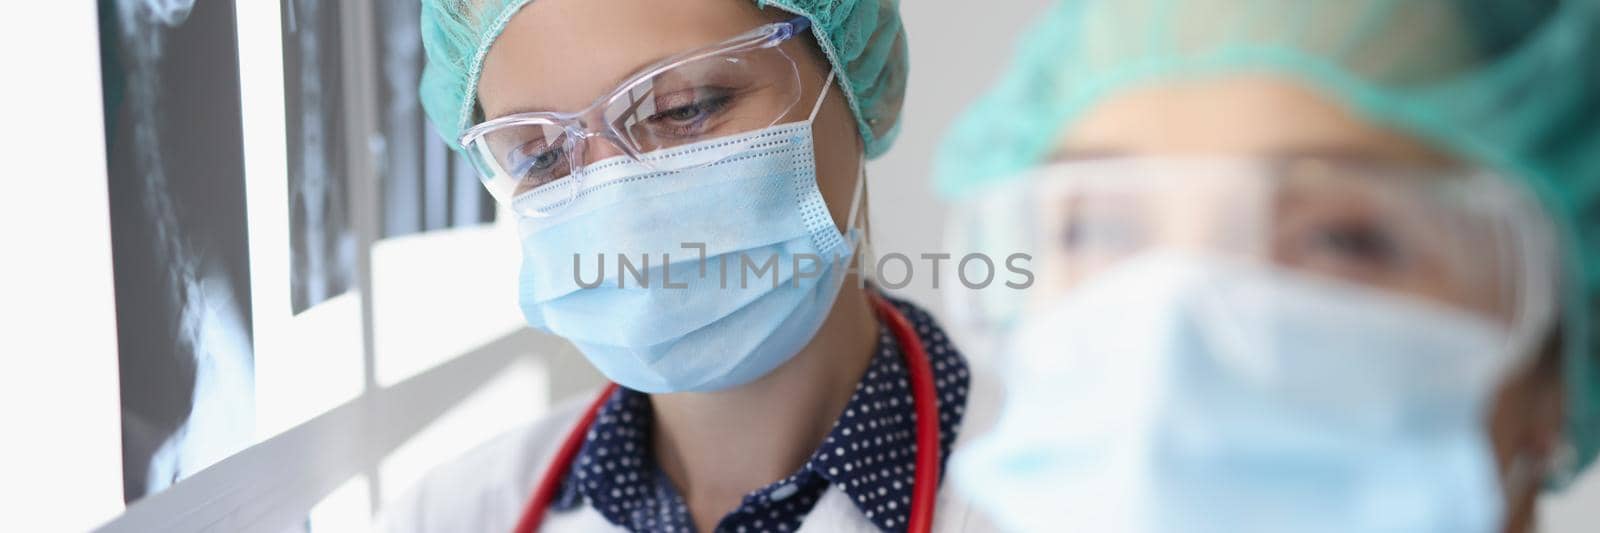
[175,168]
[425,186]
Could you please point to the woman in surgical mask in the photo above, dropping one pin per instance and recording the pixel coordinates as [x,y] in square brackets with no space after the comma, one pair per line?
[1301,266]
[687,178]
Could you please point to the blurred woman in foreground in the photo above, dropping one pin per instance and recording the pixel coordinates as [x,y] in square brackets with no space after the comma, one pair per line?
[1302,266]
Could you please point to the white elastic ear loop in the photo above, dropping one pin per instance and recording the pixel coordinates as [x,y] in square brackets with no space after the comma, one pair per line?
[823,97]
[861,172]
[855,199]
[854,222]
[1526,472]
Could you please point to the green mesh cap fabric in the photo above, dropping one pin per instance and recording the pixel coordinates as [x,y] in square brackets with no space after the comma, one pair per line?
[863,40]
[1510,84]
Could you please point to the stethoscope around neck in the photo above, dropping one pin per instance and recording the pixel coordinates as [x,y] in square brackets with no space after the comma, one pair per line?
[925,401]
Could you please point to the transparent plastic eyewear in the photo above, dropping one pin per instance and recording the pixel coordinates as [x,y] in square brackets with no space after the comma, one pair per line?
[1462,239]
[744,84]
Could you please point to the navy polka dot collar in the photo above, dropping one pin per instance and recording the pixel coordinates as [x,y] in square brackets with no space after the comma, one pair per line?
[869,453]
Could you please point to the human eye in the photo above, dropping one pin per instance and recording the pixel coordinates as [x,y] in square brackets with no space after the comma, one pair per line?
[1104,226]
[532,165]
[1343,241]
[690,112]
[1353,242]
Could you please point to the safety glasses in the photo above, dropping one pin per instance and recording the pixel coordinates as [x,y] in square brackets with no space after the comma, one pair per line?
[744,84]
[1463,239]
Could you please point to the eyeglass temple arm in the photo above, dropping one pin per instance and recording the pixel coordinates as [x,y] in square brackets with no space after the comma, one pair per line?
[794,26]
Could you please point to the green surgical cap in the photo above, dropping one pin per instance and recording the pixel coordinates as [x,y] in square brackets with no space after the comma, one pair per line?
[1513,85]
[862,39]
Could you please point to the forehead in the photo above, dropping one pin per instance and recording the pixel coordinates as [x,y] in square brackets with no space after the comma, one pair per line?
[1239,115]
[559,55]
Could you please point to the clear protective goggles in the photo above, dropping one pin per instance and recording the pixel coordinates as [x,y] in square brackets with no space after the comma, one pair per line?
[744,84]
[1467,240]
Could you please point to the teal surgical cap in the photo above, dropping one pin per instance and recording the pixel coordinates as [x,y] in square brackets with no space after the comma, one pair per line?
[862,39]
[1509,84]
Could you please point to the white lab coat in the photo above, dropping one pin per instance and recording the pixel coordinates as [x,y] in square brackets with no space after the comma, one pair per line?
[487,489]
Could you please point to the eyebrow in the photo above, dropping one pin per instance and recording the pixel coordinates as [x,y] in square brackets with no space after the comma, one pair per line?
[637,70]
[1070,153]
[1356,155]
[1332,153]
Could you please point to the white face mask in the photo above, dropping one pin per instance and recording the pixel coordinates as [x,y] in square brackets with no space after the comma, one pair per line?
[1182,393]
[769,266]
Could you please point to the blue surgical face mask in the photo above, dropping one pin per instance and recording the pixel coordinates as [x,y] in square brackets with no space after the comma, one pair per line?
[741,256]
[1193,394]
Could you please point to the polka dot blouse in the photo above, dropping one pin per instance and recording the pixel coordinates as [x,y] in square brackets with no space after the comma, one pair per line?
[869,453]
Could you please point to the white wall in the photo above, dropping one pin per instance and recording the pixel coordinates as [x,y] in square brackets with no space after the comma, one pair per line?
[1575,511]
[958,49]
[62,454]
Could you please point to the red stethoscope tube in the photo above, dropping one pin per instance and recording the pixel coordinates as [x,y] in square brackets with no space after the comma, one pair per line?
[924,486]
